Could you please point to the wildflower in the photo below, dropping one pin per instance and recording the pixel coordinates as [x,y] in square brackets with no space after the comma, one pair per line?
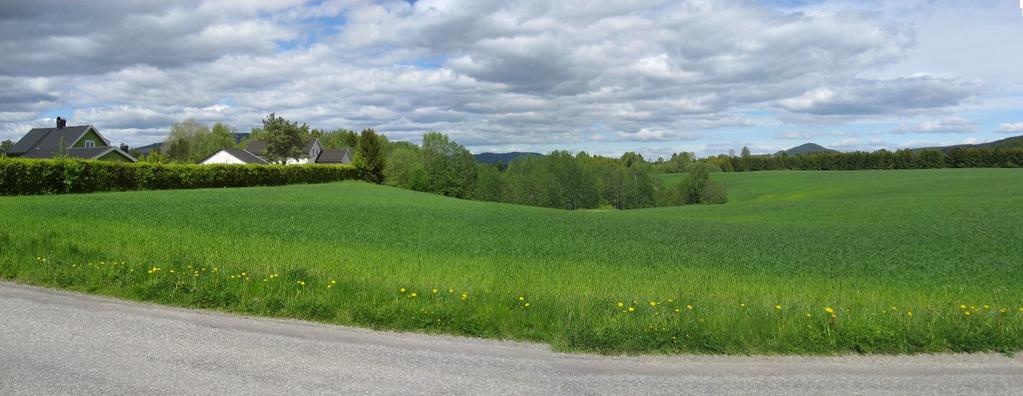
[1003,310]
[909,313]
[413,294]
[777,307]
[653,304]
[677,310]
[808,315]
[301,283]
[621,304]
[244,274]
[526,305]
[434,291]
[521,298]
[632,309]
[967,313]
[451,290]
[987,306]
[402,290]
[670,301]
[829,310]
[833,316]
[689,307]
[743,306]
[962,306]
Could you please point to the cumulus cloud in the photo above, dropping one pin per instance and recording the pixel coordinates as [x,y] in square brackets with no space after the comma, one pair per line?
[1010,127]
[948,125]
[487,72]
[806,135]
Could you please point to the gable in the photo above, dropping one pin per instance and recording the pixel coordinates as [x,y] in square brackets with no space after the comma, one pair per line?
[91,134]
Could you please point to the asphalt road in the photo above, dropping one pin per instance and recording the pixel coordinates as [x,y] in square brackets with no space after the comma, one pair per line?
[54,342]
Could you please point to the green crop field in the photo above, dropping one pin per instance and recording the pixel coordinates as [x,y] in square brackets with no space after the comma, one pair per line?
[796,262]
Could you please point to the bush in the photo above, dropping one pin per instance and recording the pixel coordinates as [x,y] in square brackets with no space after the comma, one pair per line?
[62,176]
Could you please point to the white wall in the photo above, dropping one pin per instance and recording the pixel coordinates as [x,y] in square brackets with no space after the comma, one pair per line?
[222,157]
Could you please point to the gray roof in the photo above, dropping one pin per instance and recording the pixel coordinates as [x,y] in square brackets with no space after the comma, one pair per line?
[244,156]
[46,142]
[257,146]
[81,152]
[335,156]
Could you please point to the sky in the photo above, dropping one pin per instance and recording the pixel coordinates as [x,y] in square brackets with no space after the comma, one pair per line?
[656,77]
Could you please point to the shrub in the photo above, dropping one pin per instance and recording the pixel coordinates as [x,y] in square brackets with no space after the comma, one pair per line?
[62,176]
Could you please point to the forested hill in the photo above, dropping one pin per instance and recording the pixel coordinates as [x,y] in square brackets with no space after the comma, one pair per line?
[807,148]
[493,158]
[1015,141]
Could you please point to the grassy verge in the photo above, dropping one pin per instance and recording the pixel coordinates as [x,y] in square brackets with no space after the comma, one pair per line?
[798,262]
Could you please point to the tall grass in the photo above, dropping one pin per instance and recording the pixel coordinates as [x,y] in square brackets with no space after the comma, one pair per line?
[906,261]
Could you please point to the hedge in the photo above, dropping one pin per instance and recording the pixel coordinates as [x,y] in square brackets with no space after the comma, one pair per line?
[20,176]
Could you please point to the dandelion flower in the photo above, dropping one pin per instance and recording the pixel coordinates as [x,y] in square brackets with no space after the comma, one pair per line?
[333,282]
[521,298]
[962,306]
[653,304]
[631,309]
[808,315]
[829,310]
[413,294]
[526,305]
[402,290]
[778,307]
[967,313]
[621,305]
[742,305]
[689,307]
[909,313]
[434,291]
[987,306]
[451,290]
[677,310]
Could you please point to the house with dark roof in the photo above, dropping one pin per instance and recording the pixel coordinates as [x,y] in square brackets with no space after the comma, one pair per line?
[82,141]
[255,153]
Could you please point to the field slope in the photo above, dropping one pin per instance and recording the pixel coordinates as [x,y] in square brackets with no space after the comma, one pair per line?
[796,262]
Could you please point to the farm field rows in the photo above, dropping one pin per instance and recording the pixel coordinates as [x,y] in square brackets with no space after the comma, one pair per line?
[796,262]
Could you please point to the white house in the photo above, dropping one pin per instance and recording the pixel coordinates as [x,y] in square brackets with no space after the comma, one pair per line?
[254,153]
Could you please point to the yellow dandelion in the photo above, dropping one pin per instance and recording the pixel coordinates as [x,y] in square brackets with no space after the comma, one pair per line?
[987,306]
[526,305]
[689,307]
[909,313]
[301,283]
[833,316]
[330,286]
[413,294]
[620,305]
[829,310]
[402,290]
[742,305]
[962,306]
[670,301]
[777,307]
[631,309]
[521,298]
[677,310]
[333,282]
[808,315]
[653,304]
[451,290]
[967,313]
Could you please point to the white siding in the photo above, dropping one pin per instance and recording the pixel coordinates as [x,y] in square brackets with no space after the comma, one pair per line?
[223,157]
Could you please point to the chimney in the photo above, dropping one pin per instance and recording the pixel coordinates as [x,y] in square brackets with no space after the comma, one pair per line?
[124,147]
[61,122]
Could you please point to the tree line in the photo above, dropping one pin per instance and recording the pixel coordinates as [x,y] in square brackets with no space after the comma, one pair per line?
[557,180]
[958,157]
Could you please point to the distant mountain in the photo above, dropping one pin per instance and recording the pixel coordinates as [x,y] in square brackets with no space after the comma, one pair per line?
[1015,141]
[807,148]
[147,148]
[493,158]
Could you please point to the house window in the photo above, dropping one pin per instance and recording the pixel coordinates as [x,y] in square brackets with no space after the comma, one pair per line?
[90,143]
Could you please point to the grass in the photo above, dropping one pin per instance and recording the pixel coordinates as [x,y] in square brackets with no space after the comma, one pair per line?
[906,261]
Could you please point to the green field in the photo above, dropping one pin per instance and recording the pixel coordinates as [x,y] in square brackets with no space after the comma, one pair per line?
[905,261]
